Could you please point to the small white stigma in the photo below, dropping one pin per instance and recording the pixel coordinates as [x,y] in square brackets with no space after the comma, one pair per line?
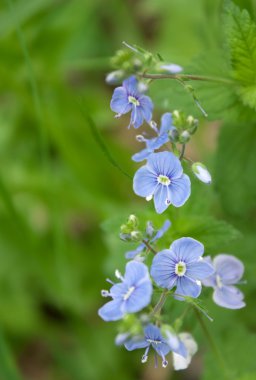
[149,197]
[144,359]
[164,363]
[198,283]
[219,282]
[105,293]
[118,115]
[167,201]
[140,138]
[153,125]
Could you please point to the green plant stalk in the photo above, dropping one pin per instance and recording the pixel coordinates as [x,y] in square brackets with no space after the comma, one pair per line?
[158,307]
[187,77]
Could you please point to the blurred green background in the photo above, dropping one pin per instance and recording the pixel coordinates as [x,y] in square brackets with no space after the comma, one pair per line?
[61,200]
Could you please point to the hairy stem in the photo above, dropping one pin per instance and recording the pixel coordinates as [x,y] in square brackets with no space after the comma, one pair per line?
[149,246]
[158,307]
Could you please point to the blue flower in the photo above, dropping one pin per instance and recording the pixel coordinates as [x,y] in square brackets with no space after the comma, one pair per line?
[156,142]
[130,295]
[228,272]
[152,236]
[162,178]
[152,338]
[181,266]
[128,98]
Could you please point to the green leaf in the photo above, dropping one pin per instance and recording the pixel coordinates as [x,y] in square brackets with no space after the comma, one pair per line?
[241,40]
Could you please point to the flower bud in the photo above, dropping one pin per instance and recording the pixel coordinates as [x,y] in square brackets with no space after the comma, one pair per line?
[184,137]
[115,77]
[201,172]
[136,236]
[125,237]
[132,221]
[173,134]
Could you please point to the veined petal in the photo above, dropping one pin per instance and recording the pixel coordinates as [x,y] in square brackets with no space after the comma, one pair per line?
[146,106]
[144,182]
[163,270]
[135,343]
[187,249]
[175,344]
[161,348]
[188,287]
[199,270]
[165,163]
[135,273]
[111,311]
[137,116]
[229,268]
[140,298]
[142,155]
[229,297]
[119,102]
[161,198]
[166,123]
[180,190]
[131,85]
[157,142]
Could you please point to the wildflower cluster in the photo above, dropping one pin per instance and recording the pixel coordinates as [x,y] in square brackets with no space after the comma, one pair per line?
[180,270]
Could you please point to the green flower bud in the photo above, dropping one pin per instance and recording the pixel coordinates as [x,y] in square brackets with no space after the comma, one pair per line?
[184,137]
[136,236]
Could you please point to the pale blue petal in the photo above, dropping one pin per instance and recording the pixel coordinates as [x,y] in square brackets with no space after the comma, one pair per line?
[137,116]
[135,252]
[111,311]
[229,297]
[157,142]
[176,344]
[119,102]
[135,273]
[199,270]
[140,298]
[144,182]
[161,198]
[161,231]
[152,332]
[163,269]
[118,290]
[131,85]
[229,268]
[166,122]
[187,249]
[135,343]
[161,348]
[146,106]
[211,280]
[142,155]
[187,287]
[180,190]
[165,163]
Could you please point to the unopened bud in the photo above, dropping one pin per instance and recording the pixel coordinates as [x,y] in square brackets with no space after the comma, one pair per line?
[136,235]
[173,134]
[201,172]
[184,137]
[115,77]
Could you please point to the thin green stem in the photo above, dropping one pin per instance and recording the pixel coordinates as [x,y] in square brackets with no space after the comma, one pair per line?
[158,307]
[213,345]
[182,151]
[149,246]
[185,77]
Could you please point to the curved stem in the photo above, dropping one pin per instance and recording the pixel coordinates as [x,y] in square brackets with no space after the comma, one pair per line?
[185,77]
[160,303]
[182,151]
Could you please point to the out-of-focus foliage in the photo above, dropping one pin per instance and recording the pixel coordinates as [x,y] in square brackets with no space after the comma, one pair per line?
[57,186]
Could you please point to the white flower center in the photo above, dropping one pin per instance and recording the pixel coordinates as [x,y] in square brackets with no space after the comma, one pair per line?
[218,281]
[128,293]
[153,341]
[133,100]
[164,180]
[180,268]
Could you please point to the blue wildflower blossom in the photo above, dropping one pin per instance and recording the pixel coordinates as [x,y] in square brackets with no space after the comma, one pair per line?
[162,178]
[228,272]
[152,338]
[181,266]
[128,98]
[152,236]
[156,142]
[130,295]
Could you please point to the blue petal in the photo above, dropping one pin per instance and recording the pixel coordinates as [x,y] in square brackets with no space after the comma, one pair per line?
[166,123]
[187,287]
[152,332]
[157,142]
[135,252]
[137,116]
[144,182]
[229,268]
[161,197]
[135,343]
[135,273]
[131,85]
[111,311]
[176,344]
[140,297]
[161,231]
[165,163]
[180,190]
[187,249]
[118,290]
[161,348]
[119,102]
[199,270]
[142,155]
[146,106]
[163,269]
[229,297]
